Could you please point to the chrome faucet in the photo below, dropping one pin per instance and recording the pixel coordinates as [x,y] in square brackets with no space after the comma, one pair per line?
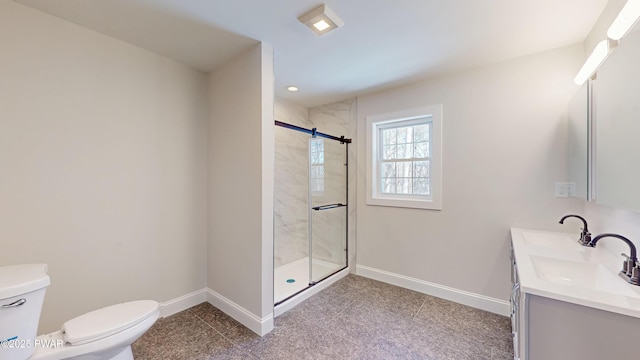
[585,235]
[630,268]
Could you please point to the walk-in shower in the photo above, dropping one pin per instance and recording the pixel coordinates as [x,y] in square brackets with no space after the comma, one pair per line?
[310,208]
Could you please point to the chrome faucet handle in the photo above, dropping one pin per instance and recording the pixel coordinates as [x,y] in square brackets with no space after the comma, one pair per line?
[628,265]
[585,238]
[635,275]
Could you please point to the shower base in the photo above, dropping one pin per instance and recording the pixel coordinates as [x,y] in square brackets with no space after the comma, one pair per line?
[298,271]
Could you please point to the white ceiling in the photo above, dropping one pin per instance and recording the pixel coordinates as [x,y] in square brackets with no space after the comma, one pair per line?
[383,43]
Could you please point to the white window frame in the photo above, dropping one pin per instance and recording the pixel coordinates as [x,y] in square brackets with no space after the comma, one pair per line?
[374,194]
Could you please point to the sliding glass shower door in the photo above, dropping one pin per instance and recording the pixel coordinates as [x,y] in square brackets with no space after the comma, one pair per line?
[310,214]
[328,199]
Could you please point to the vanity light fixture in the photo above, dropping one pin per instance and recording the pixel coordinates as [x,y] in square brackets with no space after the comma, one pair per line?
[291,88]
[625,20]
[321,20]
[598,56]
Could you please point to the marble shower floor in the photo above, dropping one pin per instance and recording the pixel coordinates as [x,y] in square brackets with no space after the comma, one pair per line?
[355,318]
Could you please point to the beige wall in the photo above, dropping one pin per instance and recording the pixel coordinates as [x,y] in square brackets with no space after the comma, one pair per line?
[241,148]
[103,161]
[505,141]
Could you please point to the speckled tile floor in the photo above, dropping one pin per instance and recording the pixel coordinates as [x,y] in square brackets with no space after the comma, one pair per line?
[355,318]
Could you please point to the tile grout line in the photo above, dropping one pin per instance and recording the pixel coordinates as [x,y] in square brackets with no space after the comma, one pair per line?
[326,327]
[221,334]
[413,318]
[349,304]
[209,325]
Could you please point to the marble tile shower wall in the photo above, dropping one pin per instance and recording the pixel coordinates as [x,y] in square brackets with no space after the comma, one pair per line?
[292,177]
[291,227]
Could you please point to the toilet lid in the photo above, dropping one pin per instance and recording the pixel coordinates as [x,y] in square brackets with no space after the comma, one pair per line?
[107,321]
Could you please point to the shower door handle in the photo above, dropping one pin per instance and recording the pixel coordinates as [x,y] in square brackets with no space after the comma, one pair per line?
[327,207]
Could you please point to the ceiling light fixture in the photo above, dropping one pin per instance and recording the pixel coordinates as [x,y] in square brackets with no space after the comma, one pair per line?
[321,20]
[598,56]
[625,20]
[291,88]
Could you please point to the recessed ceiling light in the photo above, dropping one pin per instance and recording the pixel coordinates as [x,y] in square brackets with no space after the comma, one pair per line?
[321,25]
[321,20]
[292,88]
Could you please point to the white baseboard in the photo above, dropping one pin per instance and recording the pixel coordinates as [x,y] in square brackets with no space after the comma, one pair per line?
[245,317]
[482,302]
[260,326]
[291,303]
[182,303]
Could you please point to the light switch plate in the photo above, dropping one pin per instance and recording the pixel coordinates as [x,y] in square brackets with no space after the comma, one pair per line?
[565,189]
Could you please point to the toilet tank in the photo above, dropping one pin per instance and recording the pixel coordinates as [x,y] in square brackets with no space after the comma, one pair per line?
[22,289]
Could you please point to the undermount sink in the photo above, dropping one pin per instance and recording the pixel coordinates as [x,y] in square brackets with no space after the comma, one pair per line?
[550,240]
[555,245]
[580,274]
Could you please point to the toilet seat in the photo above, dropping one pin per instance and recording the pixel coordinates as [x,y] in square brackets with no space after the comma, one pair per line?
[96,335]
[101,323]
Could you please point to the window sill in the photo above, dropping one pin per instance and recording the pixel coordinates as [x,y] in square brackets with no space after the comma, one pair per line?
[405,203]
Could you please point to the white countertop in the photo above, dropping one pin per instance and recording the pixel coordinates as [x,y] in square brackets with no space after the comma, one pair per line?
[556,266]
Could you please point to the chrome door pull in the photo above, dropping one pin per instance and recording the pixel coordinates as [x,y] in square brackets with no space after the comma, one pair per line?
[15,304]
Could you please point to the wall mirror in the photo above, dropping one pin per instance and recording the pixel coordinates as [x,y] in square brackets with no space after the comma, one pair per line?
[616,95]
[579,141]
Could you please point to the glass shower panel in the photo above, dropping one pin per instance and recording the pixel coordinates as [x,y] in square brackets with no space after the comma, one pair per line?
[291,213]
[328,247]
[328,195]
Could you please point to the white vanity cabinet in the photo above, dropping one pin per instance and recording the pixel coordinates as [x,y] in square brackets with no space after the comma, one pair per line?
[516,316]
[563,318]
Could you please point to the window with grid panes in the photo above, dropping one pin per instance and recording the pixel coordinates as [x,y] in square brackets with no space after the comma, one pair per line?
[404,158]
[316,153]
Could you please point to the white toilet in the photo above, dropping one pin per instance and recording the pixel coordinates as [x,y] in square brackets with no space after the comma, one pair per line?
[104,334]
